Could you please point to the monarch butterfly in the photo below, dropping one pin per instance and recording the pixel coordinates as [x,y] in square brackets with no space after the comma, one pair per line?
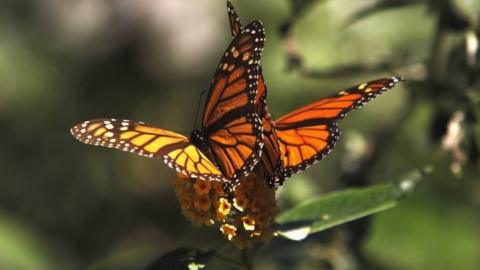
[297,140]
[230,140]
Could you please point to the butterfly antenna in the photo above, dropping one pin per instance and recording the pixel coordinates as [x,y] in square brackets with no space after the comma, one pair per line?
[198,108]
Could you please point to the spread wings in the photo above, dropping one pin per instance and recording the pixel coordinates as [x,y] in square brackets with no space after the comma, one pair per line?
[142,139]
[306,135]
[337,106]
[309,133]
[233,130]
[291,149]
[230,122]
[301,146]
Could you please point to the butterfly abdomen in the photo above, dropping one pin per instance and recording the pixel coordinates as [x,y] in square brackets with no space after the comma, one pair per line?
[198,139]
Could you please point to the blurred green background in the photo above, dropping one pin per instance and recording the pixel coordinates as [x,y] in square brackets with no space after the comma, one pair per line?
[65,205]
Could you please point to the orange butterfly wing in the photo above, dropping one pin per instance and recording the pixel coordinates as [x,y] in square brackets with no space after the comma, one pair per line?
[304,145]
[304,136]
[235,25]
[230,122]
[145,140]
[308,134]
[270,161]
[337,106]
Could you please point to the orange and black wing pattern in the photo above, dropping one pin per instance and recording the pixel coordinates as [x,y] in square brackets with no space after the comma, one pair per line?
[336,107]
[304,136]
[308,134]
[230,122]
[145,140]
[235,25]
[301,146]
[270,161]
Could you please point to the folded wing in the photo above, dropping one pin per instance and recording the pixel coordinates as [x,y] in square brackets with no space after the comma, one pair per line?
[230,122]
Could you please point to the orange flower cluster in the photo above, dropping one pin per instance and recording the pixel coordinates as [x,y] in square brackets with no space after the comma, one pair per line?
[244,215]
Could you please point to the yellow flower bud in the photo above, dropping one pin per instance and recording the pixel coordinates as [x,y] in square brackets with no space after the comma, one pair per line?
[248,223]
[240,203]
[222,208]
[229,231]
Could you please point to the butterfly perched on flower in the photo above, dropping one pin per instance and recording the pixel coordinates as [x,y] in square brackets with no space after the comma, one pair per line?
[298,139]
[229,142]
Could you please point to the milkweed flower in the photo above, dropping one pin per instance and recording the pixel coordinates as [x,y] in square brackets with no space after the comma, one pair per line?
[243,215]
[248,223]
[229,231]
[240,203]
[222,208]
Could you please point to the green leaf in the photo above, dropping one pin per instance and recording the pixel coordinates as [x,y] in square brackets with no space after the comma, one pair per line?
[380,6]
[22,247]
[329,210]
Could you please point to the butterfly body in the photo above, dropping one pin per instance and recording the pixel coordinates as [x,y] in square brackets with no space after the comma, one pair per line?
[237,131]
[228,144]
[199,140]
[295,141]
